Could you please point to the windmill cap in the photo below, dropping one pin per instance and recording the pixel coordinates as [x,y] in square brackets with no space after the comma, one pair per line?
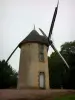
[34,37]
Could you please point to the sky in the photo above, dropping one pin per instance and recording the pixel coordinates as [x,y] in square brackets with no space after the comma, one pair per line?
[17,19]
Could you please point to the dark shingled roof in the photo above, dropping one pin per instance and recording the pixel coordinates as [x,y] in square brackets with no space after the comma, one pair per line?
[34,37]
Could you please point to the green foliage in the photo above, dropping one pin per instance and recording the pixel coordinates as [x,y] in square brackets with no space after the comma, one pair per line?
[8,76]
[67,97]
[60,75]
[56,71]
[68,47]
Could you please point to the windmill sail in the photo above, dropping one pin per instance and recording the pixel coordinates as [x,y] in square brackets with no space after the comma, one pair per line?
[60,55]
[11,54]
[50,33]
[55,49]
[53,20]
[42,32]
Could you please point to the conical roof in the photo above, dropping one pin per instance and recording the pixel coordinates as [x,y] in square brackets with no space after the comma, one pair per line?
[34,37]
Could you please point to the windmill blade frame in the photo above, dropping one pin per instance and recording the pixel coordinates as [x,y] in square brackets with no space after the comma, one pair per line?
[53,21]
[11,54]
[52,45]
[60,55]
[43,32]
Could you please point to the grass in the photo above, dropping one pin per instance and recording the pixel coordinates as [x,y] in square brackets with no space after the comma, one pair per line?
[68,97]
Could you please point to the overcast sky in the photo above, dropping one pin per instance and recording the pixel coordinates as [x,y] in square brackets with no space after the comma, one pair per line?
[17,19]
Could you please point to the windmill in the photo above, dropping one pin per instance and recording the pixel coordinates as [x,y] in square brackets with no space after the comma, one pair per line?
[50,42]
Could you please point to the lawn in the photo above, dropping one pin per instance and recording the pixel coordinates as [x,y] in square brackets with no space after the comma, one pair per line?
[69,97]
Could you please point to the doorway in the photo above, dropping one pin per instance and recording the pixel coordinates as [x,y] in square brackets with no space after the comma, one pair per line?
[42,80]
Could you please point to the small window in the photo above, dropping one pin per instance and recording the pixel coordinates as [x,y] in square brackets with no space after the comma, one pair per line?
[41,52]
[41,56]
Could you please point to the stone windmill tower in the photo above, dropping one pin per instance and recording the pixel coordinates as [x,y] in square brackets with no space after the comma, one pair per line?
[33,68]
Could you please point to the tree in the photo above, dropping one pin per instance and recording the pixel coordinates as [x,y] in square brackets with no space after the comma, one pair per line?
[60,75]
[68,51]
[56,70]
[8,76]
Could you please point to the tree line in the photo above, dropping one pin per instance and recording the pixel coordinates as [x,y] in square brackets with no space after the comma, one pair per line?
[8,76]
[59,75]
